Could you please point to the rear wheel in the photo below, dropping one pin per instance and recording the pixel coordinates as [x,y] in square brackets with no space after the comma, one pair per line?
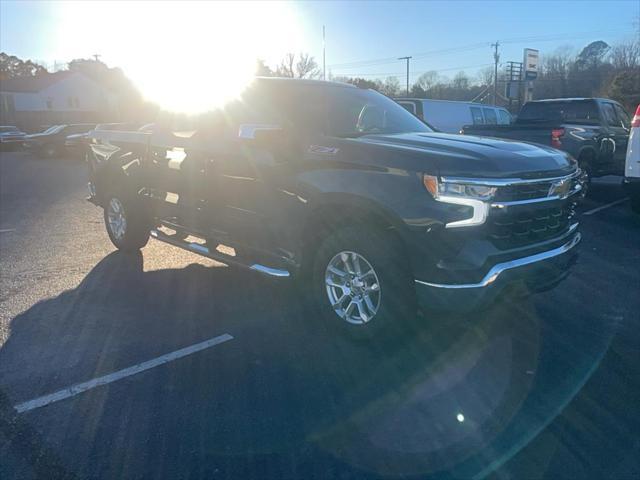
[362,283]
[127,223]
[584,162]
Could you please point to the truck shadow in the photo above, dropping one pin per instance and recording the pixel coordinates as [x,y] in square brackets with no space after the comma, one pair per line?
[431,400]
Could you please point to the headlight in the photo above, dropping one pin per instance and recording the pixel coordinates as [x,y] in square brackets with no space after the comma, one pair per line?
[439,189]
[470,195]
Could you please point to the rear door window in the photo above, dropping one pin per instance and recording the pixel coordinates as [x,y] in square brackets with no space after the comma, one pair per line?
[504,117]
[623,118]
[490,116]
[581,112]
[476,115]
[609,115]
[409,106]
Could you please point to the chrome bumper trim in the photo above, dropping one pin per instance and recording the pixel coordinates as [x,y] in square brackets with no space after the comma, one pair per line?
[497,269]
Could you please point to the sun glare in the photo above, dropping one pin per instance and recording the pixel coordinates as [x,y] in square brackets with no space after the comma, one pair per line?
[186,56]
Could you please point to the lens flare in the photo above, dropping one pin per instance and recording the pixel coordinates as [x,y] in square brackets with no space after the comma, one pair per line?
[186,56]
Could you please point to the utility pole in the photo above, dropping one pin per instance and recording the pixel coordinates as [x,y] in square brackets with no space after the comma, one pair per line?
[407,59]
[496,59]
[96,57]
[324,56]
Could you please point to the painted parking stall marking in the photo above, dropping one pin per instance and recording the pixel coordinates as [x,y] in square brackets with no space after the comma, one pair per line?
[602,207]
[119,375]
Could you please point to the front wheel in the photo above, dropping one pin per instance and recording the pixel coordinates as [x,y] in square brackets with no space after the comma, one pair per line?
[362,282]
[127,224]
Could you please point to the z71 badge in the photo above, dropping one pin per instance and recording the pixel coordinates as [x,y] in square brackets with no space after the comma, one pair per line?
[323,150]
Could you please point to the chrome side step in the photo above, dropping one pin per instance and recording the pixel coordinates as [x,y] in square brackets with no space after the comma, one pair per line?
[204,251]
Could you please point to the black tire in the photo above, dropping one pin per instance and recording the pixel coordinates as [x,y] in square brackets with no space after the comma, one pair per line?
[383,252]
[137,222]
[585,166]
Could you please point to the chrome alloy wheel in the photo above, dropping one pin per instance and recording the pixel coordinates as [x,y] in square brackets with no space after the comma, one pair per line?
[116,218]
[353,288]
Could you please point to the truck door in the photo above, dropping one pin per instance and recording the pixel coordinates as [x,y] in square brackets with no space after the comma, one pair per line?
[621,132]
[613,145]
[178,177]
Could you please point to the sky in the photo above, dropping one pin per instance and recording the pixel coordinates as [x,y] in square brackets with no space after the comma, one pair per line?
[362,38]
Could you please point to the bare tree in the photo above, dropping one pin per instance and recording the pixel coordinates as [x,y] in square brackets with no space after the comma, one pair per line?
[305,66]
[285,69]
[390,87]
[428,80]
[485,76]
[460,81]
[625,56]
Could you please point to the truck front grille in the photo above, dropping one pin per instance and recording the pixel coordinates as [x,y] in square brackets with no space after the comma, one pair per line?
[525,191]
[527,226]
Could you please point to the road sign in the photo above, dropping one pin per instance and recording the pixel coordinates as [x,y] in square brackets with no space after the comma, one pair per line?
[530,63]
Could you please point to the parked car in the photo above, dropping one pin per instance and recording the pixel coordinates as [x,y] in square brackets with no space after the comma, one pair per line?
[11,136]
[51,142]
[449,116]
[593,130]
[76,143]
[632,164]
[343,189]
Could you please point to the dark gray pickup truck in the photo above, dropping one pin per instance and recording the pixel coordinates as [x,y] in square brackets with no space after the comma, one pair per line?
[346,191]
[595,131]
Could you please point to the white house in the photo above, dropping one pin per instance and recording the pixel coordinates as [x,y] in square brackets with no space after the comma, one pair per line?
[54,98]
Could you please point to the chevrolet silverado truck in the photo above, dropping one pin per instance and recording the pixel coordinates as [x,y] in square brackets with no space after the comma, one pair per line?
[370,210]
[595,131]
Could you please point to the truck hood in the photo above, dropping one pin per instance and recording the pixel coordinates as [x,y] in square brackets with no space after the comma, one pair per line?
[462,155]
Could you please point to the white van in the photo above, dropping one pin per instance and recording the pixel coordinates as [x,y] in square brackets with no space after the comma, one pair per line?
[449,116]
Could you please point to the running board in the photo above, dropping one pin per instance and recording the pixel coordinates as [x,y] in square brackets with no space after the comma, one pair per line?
[204,251]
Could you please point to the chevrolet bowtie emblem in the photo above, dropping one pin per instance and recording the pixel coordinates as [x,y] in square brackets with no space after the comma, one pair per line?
[559,188]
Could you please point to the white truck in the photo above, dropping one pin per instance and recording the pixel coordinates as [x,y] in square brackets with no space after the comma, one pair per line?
[632,164]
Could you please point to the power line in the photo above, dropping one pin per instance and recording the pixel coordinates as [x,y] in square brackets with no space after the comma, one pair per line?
[513,40]
[413,74]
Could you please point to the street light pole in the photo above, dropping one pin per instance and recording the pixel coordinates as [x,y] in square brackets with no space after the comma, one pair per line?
[324,56]
[407,59]
[496,58]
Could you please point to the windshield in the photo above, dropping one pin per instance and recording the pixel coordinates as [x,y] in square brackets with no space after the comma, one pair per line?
[54,129]
[331,109]
[353,112]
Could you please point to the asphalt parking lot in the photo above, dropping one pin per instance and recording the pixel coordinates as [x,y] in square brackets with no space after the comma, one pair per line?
[168,365]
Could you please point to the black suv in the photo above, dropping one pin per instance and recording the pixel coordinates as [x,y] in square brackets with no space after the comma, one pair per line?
[344,189]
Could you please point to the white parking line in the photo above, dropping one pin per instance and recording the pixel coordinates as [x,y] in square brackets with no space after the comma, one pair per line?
[595,210]
[119,375]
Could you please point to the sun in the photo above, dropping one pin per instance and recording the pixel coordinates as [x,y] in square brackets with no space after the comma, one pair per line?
[185,56]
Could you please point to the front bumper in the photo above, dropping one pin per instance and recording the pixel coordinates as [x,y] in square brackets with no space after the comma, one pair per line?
[537,272]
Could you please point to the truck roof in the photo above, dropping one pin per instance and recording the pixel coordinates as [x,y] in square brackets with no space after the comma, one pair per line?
[305,81]
[475,104]
[573,99]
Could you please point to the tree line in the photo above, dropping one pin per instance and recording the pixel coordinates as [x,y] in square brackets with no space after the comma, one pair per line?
[598,70]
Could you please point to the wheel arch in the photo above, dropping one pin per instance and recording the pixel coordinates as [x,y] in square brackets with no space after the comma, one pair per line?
[334,211]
